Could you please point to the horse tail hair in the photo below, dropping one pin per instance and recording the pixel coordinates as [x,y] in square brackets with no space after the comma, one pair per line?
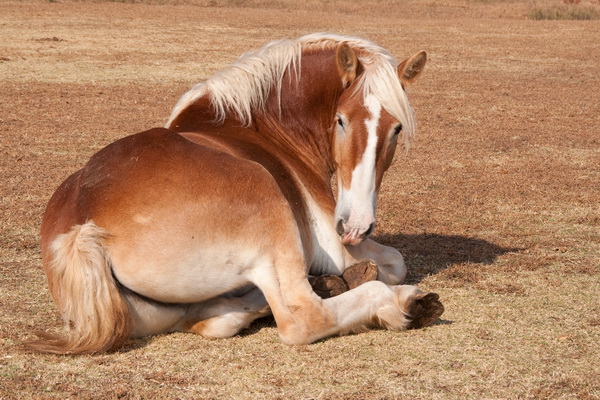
[96,315]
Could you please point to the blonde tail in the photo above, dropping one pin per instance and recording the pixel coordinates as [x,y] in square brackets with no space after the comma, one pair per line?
[80,277]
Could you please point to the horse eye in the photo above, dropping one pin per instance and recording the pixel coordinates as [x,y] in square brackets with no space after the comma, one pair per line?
[397,129]
[340,122]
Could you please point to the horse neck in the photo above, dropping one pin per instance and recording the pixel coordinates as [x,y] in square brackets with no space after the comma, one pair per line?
[300,119]
[298,146]
[296,124]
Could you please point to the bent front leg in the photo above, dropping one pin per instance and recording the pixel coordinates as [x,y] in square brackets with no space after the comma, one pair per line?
[390,263]
[395,308]
[353,276]
[302,317]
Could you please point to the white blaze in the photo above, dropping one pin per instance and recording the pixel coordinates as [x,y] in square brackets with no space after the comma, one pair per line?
[362,188]
[358,203]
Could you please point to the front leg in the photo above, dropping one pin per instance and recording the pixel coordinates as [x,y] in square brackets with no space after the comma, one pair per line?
[362,263]
[327,286]
[390,263]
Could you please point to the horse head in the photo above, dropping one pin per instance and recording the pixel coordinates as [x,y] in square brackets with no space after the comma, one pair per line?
[372,114]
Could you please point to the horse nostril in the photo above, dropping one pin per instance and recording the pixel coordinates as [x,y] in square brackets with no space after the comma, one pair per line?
[369,231]
[339,228]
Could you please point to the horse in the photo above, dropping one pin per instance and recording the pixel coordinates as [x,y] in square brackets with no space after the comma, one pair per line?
[220,217]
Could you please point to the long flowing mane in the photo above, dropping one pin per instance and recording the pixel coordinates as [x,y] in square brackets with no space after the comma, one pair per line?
[246,84]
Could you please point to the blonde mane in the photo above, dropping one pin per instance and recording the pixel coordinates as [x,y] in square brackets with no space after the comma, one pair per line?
[247,83]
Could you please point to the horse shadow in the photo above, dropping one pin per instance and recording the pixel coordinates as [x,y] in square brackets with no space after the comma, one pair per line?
[431,253]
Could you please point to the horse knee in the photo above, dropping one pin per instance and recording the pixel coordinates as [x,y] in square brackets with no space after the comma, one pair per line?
[306,324]
[295,335]
[393,271]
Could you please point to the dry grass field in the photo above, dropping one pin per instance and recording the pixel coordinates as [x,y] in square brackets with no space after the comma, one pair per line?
[496,207]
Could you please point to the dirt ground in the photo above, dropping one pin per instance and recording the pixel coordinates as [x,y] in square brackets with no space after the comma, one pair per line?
[496,207]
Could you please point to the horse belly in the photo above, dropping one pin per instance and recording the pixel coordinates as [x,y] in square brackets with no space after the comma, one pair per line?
[178,250]
[184,271]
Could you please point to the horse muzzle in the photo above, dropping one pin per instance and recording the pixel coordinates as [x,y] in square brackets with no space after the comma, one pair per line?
[351,234]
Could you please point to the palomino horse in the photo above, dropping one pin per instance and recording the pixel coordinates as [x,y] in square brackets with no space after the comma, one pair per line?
[219,219]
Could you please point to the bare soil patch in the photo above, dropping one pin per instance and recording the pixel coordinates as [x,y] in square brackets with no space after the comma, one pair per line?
[496,207]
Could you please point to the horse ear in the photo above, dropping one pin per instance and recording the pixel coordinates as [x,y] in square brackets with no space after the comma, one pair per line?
[409,69]
[347,63]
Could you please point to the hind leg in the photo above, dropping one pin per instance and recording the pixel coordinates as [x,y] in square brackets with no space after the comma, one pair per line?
[224,316]
[151,317]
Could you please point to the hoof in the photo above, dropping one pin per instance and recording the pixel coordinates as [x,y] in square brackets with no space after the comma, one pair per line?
[355,275]
[424,310]
[327,286]
[359,273]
